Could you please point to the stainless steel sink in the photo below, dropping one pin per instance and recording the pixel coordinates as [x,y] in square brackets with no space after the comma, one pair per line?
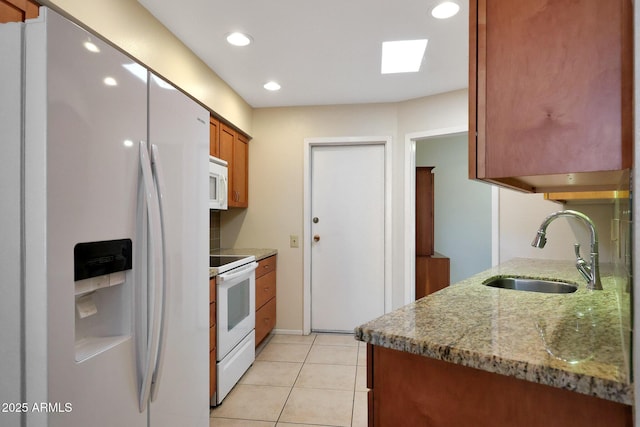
[531,285]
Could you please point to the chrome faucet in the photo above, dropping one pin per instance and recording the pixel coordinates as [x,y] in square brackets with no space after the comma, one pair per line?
[590,272]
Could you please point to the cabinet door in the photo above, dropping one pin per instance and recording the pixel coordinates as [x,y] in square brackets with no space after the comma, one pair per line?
[550,92]
[226,138]
[424,211]
[214,137]
[234,148]
[240,171]
[265,320]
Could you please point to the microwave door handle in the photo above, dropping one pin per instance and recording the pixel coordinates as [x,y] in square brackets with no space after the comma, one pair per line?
[223,190]
[241,271]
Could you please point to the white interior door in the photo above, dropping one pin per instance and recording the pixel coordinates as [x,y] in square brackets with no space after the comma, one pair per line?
[348,235]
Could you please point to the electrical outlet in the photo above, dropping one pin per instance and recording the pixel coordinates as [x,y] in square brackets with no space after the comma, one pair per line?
[293,241]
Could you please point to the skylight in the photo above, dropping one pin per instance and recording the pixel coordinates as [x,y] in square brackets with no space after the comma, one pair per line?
[404,56]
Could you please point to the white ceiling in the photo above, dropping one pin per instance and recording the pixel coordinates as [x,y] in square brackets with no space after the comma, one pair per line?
[321,52]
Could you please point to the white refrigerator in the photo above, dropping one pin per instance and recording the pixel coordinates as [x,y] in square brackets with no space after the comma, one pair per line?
[104,305]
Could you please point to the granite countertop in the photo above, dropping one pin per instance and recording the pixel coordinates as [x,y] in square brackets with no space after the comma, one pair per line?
[579,341]
[259,253]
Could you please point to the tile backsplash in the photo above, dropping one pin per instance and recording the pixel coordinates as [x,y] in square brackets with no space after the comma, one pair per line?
[214,230]
[622,260]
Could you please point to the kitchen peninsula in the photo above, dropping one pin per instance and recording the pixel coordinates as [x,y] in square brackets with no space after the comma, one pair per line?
[475,355]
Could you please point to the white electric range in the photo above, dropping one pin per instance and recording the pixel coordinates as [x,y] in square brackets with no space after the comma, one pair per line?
[235,320]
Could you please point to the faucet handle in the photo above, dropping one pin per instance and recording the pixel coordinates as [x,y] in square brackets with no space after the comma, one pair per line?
[576,248]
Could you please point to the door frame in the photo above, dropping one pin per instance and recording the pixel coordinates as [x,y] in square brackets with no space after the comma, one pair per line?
[410,207]
[309,143]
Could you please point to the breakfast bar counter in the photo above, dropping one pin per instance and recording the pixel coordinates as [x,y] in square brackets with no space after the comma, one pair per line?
[577,341]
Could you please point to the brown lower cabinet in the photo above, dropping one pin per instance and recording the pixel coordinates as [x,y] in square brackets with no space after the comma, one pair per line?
[412,390]
[265,298]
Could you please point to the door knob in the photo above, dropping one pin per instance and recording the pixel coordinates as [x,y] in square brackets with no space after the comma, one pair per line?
[315,220]
[316,238]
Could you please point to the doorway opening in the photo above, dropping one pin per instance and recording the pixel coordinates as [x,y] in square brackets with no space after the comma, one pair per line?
[447,221]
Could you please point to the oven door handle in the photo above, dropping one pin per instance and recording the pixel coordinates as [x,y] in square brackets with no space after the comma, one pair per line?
[237,272]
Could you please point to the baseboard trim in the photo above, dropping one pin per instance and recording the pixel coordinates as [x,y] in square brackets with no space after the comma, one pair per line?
[287,332]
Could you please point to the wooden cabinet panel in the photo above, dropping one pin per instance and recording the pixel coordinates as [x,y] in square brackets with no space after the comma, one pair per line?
[265,297]
[265,288]
[265,266]
[214,143]
[265,320]
[432,274]
[240,172]
[234,148]
[17,10]
[424,211]
[413,390]
[225,142]
[212,338]
[550,93]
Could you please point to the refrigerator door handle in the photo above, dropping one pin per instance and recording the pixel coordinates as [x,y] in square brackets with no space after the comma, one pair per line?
[156,167]
[156,269]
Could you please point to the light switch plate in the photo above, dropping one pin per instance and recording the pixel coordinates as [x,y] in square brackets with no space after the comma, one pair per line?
[293,241]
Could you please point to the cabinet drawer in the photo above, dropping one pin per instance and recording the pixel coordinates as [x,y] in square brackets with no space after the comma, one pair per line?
[212,290]
[265,288]
[265,320]
[265,266]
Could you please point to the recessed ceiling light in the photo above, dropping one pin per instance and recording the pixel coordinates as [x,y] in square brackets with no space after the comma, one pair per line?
[403,56]
[445,10]
[238,39]
[110,81]
[272,86]
[91,47]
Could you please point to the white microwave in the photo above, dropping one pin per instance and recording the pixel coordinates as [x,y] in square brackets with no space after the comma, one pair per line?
[218,178]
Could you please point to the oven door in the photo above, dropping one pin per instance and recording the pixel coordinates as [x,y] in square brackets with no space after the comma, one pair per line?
[236,304]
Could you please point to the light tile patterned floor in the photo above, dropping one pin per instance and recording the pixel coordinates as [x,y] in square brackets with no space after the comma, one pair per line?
[315,380]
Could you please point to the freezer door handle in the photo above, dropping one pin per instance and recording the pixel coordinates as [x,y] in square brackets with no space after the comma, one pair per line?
[154,287]
[156,167]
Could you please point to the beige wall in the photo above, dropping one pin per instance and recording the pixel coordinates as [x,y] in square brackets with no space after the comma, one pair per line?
[133,29]
[276,180]
[276,187]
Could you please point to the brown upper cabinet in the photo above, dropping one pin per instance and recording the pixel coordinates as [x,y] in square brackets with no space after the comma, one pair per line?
[214,138]
[550,93]
[232,146]
[17,10]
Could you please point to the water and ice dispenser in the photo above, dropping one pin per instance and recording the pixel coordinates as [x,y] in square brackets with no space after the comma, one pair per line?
[103,296]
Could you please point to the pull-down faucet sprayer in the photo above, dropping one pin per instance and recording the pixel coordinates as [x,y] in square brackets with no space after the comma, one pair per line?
[590,272]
